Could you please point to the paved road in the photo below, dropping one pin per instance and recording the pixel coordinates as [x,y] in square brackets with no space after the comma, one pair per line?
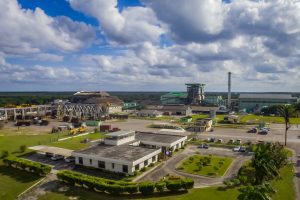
[200,181]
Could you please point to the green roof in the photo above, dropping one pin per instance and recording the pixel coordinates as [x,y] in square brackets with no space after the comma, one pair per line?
[176,94]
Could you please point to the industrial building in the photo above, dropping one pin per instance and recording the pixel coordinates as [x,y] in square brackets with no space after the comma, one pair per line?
[173,109]
[194,96]
[255,102]
[90,106]
[127,151]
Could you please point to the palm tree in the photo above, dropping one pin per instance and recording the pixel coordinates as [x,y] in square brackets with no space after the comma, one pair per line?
[257,192]
[286,111]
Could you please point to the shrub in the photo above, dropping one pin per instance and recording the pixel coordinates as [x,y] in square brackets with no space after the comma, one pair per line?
[115,189]
[143,169]
[4,154]
[236,182]
[131,189]
[221,162]
[146,188]
[23,148]
[187,183]
[228,183]
[160,186]
[173,186]
[216,168]
[151,165]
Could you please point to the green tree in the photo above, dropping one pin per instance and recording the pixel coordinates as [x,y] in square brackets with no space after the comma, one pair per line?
[23,148]
[257,192]
[267,161]
[286,111]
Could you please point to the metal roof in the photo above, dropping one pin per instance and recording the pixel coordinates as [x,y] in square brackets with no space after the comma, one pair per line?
[52,150]
[266,96]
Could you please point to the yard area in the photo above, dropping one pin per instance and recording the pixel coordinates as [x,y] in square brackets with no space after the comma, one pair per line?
[212,166]
[77,143]
[254,119]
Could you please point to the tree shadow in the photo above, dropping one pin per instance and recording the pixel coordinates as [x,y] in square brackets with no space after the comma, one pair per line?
[18,175]
[82,193]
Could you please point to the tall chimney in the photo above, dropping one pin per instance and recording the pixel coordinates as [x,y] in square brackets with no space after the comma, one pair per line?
[229,91]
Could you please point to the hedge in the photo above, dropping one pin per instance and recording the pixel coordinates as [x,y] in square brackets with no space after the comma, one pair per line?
[146,188]
[31,166]
[187,183]
[119,187]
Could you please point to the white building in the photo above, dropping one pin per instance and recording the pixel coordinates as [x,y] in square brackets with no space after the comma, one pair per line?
[127,152]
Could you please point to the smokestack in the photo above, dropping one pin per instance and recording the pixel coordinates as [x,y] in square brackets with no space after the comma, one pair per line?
[229,90]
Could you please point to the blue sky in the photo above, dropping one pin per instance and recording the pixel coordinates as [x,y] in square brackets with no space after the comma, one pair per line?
[149,45]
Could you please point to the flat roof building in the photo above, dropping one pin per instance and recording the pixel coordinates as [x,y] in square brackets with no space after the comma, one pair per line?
[255,102]
[127,151]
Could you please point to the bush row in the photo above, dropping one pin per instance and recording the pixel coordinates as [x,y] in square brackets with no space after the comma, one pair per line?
[119,187]
[30,166]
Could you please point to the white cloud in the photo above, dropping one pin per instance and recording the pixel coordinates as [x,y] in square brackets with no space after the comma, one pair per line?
[133,24]
[25,31]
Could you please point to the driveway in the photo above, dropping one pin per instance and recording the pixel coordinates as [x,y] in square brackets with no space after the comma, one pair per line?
[200,181]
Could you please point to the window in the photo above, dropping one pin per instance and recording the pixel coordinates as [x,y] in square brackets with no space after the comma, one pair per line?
[137,167]
[125,168]
[80,160]
[153,159]
[146,163]
[91,161]
[112,165]
[101,164]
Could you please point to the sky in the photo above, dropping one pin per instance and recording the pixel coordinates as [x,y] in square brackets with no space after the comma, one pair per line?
[149,45]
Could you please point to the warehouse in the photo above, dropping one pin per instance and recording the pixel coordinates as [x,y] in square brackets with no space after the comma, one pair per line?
[255,102]
[127,151]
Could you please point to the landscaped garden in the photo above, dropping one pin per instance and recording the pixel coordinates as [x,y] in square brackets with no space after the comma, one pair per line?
[206,165]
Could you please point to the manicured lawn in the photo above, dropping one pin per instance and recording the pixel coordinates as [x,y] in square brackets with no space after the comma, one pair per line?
[217,166]
[204,193]
[285,186]
[13,182]
[76,143]
[267,119]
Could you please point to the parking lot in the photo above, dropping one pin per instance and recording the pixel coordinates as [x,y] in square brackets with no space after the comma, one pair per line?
[57,164]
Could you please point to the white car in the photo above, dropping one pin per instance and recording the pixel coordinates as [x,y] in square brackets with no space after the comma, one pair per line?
[69,159]
[236,149]
[57,157]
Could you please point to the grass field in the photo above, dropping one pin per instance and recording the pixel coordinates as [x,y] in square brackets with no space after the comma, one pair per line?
[204,193]
[76,143]
[13,182]
[217,167]
[268,119]
[285,185]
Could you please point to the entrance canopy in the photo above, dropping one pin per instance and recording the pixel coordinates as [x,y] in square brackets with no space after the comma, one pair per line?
[52,150]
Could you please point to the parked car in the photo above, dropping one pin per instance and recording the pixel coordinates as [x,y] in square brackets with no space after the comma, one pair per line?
[57,157]
[242,149]
[253,130]
[70,159]
[236,149]
[203,146]
[263,131]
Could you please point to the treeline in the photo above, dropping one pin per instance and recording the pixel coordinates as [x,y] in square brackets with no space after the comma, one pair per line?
[31,98]
[121,187]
